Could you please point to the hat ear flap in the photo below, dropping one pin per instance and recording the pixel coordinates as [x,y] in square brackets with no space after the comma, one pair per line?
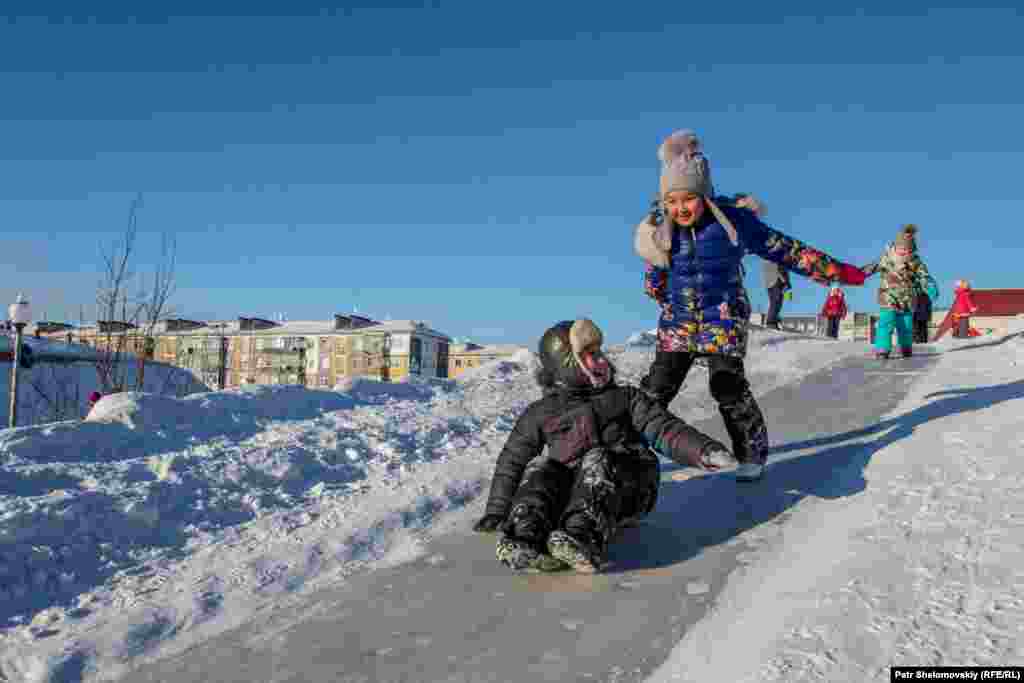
[584,334]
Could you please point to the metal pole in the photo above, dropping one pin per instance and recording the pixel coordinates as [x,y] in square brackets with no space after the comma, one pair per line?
[14,375]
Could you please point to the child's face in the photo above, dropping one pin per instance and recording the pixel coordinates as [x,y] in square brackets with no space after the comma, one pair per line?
[685,208]
[901,250]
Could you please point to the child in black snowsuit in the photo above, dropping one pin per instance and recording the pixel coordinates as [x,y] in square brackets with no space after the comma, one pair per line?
[599,473]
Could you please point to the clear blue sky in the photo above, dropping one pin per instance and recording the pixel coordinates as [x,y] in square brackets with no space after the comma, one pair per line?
[481,165]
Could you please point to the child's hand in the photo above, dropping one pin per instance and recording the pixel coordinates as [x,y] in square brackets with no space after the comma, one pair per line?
[851,275]
[716,456]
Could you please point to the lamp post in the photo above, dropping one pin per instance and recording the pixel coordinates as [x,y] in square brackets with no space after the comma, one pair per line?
[19,314]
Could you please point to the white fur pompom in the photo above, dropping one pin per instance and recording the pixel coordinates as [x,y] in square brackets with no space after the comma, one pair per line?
[681,145]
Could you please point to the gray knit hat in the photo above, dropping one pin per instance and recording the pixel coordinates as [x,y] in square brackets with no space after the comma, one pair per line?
[906,238]
[684,168]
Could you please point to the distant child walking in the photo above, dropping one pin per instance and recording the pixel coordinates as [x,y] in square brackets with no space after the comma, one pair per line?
[963,307]
[904,279]
[834,311]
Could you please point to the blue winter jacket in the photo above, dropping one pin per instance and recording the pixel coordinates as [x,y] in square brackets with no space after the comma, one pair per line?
[705,307]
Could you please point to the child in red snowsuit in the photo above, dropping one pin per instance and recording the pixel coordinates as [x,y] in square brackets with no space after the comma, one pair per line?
[834,310]
[963,307]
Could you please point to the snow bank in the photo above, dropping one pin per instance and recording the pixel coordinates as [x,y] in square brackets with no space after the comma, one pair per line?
[51,391]
[642,340]
[161,521]
[214,504]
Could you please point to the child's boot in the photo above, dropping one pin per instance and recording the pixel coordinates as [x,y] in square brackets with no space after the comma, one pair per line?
[586,558]
[516,554]
[906,351]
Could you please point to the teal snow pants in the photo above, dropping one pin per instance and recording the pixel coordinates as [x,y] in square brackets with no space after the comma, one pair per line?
[903,322]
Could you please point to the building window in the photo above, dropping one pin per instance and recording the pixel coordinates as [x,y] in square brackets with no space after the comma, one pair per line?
[458,362]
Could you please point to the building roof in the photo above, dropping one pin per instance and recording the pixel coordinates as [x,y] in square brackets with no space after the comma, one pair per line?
[312,327]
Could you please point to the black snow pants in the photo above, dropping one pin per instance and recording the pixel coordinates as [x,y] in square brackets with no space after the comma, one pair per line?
[729,387]
[775,296]
[589,499]
[920,331]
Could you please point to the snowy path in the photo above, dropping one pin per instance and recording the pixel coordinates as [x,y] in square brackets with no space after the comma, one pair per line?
[455,615]
[922,568]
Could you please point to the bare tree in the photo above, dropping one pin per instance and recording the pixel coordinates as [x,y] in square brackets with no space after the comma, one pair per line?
[139,313]
[154,301]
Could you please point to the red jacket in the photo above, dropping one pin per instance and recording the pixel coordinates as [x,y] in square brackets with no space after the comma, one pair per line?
[835,306]
[963,304]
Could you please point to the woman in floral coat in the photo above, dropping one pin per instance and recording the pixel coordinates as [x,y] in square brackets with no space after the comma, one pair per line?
[694,273]
[834,311]
[904,278]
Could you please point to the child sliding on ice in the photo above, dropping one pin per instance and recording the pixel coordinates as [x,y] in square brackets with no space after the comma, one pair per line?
[599,473]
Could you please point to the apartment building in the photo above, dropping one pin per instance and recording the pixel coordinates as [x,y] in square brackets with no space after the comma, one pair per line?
[252,350]
[467,355]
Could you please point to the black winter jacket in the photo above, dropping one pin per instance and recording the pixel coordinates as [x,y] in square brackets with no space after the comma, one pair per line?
[571,422]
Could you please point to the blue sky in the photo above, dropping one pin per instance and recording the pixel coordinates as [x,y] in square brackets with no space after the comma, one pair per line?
[482,165]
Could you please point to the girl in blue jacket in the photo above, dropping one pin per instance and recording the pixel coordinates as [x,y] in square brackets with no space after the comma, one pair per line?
[694,273]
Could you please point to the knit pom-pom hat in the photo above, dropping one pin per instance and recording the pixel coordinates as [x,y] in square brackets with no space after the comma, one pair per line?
[684,168]
[906,238]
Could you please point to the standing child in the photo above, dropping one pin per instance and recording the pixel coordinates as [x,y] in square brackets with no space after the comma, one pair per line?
[922,318]
[834,311]
[963,308]
[599,472]
[695,274]
[904,278]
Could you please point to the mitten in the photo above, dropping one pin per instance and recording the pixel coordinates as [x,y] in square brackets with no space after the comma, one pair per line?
[488,524]
[689,447]
[851,275]
[715,456]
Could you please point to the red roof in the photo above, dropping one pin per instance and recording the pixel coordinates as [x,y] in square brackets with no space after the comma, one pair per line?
[998,301]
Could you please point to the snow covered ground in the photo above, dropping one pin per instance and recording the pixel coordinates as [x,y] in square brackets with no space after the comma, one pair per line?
[159,521]
[62,376]
[924,567]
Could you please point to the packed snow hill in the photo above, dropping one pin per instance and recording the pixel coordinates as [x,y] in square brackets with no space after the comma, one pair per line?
[61,377]
[159,522]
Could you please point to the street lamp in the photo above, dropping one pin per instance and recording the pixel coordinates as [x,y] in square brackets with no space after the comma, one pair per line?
[19,314]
